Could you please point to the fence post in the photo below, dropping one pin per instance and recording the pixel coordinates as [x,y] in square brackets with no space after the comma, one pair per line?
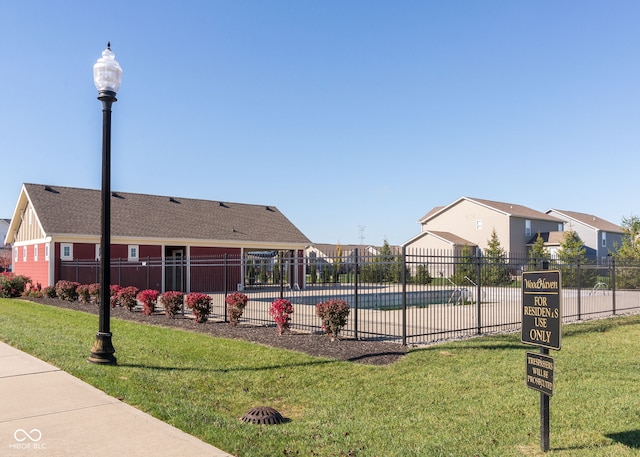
[225,286]
[355,294]
[578,280]
[281,267]
[478,294]
[404,295]
[148,272]
[77,271]
[613,284]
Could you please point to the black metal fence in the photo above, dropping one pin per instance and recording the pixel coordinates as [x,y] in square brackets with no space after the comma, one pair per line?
[412,297]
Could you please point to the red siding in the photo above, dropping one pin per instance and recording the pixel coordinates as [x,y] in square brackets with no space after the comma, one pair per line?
[84,251]
[145,251]
[213,251]
[119,251]
[208,269]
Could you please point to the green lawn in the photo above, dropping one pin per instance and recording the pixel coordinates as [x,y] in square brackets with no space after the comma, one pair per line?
[456,399]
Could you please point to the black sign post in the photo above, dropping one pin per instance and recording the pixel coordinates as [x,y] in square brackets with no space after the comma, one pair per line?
[541,326]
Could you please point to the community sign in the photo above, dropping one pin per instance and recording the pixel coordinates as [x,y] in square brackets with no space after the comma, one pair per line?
[541,314]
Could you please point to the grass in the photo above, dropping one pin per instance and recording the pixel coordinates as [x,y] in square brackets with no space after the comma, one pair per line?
[465,398]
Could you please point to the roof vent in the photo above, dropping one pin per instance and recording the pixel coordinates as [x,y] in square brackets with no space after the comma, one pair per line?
[117,195]
[268,208]
[223,204]
[51,189]
[173,200]
[263,415]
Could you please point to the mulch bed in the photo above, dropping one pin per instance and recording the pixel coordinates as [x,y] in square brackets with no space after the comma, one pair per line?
[316,344]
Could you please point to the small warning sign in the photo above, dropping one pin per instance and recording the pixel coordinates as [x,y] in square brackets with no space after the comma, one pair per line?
[540,372]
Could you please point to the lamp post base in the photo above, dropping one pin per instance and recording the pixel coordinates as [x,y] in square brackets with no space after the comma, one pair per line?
[102,350]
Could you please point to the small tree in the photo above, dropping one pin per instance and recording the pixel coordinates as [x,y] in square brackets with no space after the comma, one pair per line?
[465,267]
[422,275]
[495,271]
[538,253]
[571,254]
[337,264]
[628,254]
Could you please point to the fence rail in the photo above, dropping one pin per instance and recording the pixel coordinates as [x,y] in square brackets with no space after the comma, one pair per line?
[411,297]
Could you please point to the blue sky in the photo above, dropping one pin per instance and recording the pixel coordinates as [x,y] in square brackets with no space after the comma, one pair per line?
[354,118]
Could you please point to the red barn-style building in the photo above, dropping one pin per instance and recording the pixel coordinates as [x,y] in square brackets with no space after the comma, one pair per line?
[157,242]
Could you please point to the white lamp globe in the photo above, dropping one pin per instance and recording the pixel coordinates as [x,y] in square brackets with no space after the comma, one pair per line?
[107,72]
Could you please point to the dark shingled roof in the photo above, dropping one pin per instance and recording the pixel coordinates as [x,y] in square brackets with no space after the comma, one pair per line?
[68,210]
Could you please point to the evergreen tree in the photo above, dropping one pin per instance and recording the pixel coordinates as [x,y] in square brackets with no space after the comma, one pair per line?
[571,254]
[465,266]
[538,253]
[629,250]
[422,275]
[495,271]
[628,254]
[337,263]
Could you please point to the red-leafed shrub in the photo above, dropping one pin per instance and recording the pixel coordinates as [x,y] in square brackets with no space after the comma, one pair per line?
[66,290]
[172,302]
[148,298]
[127,297]
[236,303]
[333,313]
[200,304]
[281,311]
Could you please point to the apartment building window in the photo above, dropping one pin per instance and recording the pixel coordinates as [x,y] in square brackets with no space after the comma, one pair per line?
[46,252]
[24,253]
[604,239]
[527,227]
[35,252]
[15,254]
[478,224]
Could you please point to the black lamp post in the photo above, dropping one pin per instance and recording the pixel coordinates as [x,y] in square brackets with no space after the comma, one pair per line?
[107,75]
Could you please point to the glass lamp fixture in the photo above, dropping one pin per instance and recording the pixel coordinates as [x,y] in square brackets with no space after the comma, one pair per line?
[107,72]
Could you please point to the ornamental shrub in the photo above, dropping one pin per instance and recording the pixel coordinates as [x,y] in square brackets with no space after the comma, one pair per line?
[12,285]
[200,304]
[127,297]
[114,289]
[33,291]
[148,298]
[94,292]
[172,302]
[67,290]
[236,303]
[83,293]
[49,291]
[334,313]
[281,311]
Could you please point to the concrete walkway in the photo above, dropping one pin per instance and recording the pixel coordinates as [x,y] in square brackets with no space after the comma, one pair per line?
[47,412]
